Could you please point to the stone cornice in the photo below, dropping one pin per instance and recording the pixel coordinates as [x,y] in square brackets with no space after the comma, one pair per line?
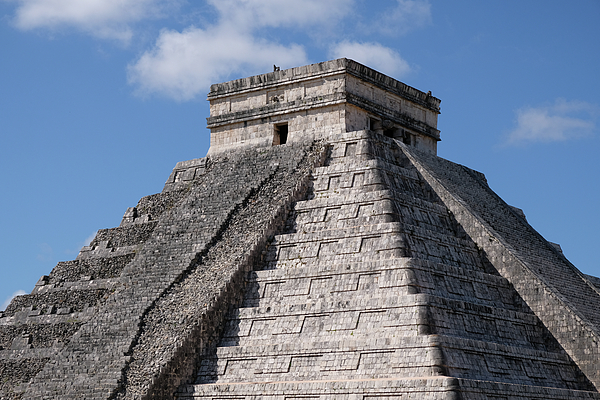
[276,109]
[321,70]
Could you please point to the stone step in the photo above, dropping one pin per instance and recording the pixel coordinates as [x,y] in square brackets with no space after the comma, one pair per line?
[377,229]
[425,220]
[475,359]
[387,305]
[405,313]
[346,183]
[340,288]
[385,322]
[414,388]
[362,163]
[350,144]
[316,217]
[358,173]
[311,326]
[316,279]
[348,258]
[381,357]
[354,199]
[76,300]
[328,314]
[350,279]
[423,243]
[91,269]
[123,236]
[357,198]
[349,165]
[37,335]
[352,239]
[358,156]
[301,360]
[318,269]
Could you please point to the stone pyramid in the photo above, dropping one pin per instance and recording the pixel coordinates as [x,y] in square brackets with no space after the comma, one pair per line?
[321,250]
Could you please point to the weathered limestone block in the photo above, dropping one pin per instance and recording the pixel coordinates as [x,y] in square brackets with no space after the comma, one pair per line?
[280,267]
[321,99]
[323,306]
[546,281]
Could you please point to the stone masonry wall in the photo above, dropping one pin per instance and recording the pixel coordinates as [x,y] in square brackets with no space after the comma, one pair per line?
[109,344]
[243,110]
[303,124]
[193,307]
[553,288]
[372,285]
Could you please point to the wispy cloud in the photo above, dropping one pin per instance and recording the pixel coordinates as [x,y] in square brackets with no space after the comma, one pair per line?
[89,239]
[243,40]
[374,55]
[563,120]
[107,19]
[45,252]
[406,16]
[78,246]
[12,296]
[244,14]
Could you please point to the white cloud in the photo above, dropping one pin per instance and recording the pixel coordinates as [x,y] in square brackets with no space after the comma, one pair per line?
[107,19]
[12,296]
[374,55]
[278,13]
[563,120]
[183,64]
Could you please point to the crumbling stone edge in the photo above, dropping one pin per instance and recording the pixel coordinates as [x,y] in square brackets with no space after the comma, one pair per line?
[573,331]
[182,365]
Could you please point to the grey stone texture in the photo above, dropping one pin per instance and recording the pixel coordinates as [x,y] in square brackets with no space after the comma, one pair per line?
[316,100]
[348,263]
[566,301]
[375,287]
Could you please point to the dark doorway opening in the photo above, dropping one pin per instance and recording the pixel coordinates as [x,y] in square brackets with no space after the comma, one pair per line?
[280,135]
[374,124]
[392,132]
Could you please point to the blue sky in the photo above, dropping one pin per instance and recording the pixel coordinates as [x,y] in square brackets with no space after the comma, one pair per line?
[99,99]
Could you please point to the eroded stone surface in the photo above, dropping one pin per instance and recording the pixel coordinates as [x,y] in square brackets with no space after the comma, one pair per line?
[320,251]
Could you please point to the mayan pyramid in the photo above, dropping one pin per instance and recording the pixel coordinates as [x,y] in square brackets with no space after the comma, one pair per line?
[321,250]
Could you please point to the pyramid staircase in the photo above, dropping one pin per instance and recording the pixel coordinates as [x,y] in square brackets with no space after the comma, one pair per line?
[375,291]
[35,327]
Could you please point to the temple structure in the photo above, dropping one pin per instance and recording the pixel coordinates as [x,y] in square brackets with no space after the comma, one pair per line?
[321,250]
